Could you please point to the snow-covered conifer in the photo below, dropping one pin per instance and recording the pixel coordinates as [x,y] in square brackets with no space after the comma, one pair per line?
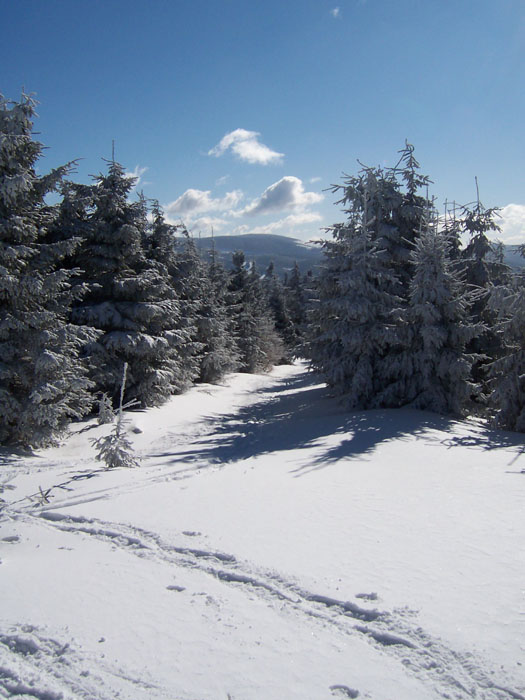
[297,302]
[202,289]
[179,259]
[129,299]
[276,297]
[43,386]
[115,449]
[219,353]
[257,340]
[482,271]
[507,373]
[352,325]
[438,365]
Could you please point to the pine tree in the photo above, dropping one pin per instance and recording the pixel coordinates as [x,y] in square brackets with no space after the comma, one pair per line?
[220,353]
[507,373]
[482,272]
[203,289]
[130,299]
[43,386]
[297,303]
[438,376]
[275,295]
[352,326]
[180,262]
[359,332]
[115,449]
[257,341]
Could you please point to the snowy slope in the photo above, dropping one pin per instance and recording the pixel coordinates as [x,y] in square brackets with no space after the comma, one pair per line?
[269,546]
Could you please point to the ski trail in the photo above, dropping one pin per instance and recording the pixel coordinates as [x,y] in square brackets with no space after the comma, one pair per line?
[456,675]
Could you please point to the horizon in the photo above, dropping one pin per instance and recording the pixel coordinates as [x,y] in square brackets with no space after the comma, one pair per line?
[238,118]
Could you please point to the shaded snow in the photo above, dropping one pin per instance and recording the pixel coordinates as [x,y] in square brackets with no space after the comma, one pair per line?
[269,546]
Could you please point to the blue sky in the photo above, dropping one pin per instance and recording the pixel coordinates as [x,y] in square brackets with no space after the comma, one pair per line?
[238,115]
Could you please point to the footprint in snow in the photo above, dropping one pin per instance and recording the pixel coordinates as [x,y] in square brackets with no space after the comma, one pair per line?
[343,691]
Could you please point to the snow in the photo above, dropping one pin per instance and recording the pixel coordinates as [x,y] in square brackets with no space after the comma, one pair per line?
[270,545]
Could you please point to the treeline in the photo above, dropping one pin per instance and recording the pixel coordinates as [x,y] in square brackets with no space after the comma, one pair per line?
[415,308]
[410,308]
[97,282]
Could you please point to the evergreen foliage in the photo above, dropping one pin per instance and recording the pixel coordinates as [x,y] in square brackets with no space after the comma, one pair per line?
[352,324]
[275,295]
[115,449]
[440,330]
[391,324]
[219,354]
[254,330]
[507,373]
[43,385]
[297,298]
[400,314]
[483,270]
[130,299]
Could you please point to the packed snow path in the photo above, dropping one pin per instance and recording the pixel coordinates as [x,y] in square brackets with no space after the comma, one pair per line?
[269,546]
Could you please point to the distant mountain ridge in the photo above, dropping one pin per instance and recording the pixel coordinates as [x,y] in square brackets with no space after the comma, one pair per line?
[284,251]
[512,257]
[264,248]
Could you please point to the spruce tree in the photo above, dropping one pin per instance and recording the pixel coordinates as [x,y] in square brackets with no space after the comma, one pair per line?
[275,295]
[203,289]
[43,386]
[257,341]
[359,332]
[352,325]
[507,373]
[180,262]
[482,271]
[438,376]
[219,354]
[297,303]
[129,299]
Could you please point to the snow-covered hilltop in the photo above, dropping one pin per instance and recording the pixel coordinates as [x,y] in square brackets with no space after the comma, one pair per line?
[270,545]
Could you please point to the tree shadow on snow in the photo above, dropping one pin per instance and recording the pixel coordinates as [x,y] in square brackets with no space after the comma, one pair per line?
[14,455]
[299,414]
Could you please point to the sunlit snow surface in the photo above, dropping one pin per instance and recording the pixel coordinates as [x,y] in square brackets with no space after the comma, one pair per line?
[270,546]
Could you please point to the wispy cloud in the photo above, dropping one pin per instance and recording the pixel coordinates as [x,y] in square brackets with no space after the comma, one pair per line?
[335,12]
[286,193]
[136,173]
[246,146]
[198,201]
[313,180]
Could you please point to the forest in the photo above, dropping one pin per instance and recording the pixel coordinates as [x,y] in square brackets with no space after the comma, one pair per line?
[410,308]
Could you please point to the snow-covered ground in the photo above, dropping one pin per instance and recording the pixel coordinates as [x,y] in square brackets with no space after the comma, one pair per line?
[270,546]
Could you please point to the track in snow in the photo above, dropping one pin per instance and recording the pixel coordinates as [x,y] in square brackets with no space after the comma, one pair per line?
[456,675]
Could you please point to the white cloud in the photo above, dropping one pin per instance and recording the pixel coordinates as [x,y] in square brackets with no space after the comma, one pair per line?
[222,180]
[313,180]
[512,224]
[246,145]
[136,173]
[335,12]
[197,201]
[286,193]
